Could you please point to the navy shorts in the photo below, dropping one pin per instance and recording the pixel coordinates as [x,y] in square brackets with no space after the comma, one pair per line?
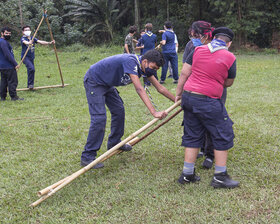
[203,113]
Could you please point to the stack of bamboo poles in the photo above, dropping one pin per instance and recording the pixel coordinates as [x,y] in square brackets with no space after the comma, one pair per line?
[132,139]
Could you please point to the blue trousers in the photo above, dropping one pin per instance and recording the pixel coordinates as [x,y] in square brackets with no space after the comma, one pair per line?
[29,63]
[173,58]
[98,96]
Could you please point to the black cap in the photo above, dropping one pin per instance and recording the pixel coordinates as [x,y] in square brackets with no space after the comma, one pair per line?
[224,31]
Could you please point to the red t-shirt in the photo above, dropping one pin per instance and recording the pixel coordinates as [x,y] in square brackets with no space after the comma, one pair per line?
[209,71]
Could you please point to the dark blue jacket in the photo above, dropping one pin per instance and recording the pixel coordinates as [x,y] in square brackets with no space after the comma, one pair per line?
[7,58]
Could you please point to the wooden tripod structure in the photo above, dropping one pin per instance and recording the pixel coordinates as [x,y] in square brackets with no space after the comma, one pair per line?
[54,47]
[132,140]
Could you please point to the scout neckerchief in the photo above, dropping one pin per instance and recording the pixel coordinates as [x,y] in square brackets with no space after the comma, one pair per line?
[139,62]
[149,33]
[216,45]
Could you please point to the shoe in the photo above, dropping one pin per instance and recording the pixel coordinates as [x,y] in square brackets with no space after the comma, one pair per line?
[16,98]
[170,76]
[199,155]
[208,163]
[175,81]
[30,87]
[161,82]
[126,147]
[186,179]
[147,84]
[223,180]
[3,99]
[97,166]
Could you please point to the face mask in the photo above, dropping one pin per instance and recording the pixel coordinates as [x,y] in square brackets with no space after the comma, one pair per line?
[7,37]
[150,72]
[27,33]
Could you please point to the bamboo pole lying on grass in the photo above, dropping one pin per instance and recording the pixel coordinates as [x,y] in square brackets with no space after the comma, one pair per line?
[44,87]
[75,175]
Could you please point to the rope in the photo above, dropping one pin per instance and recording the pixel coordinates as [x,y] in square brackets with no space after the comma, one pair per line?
[150,96]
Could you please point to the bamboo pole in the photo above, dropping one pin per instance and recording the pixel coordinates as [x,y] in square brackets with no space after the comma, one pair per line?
[54,47]
[47,189]
[132,143]
[43,87]
[31,41]
[100,158]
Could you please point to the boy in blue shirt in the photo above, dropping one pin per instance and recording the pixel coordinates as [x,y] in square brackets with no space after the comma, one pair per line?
[149,39]
[29,59]
[100,81]
[8,66]
[169,52]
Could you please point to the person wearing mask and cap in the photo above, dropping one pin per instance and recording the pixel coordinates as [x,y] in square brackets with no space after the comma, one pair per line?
[8,66]
[100,81]
[206,72]
[26,40]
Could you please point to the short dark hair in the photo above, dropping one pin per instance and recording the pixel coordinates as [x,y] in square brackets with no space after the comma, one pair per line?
[222,37]
[132,29]
[149,26]
[25,27]
[154,56]
[3,29]
[168,24]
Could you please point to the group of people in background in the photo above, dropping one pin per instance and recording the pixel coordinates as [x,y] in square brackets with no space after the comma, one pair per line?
[9,66]
[148,41]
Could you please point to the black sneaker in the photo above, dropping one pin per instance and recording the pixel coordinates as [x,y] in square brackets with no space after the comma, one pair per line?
[175,81]
[161,82]
[170,77]
[97,166]
[30,87]
[16,98]
[223,180]
[208,163]
[126,147]
[186,179]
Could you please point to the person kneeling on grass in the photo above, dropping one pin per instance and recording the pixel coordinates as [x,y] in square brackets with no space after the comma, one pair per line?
[100,81]
[206,72]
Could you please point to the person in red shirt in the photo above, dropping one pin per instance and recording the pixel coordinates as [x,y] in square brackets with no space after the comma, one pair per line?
[206,72]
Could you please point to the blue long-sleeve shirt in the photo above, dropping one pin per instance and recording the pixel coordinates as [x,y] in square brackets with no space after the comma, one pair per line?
[7,58]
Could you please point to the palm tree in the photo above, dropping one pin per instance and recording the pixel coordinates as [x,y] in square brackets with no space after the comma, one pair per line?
[103,15]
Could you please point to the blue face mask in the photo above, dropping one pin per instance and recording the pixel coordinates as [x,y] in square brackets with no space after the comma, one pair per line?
[150,72]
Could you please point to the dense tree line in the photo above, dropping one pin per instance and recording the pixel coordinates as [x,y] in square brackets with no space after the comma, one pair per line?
[98,21]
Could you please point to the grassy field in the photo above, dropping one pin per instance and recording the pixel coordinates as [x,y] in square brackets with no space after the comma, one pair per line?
[42,137]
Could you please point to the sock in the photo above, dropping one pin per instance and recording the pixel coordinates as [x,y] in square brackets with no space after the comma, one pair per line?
[188,168]
[220,169]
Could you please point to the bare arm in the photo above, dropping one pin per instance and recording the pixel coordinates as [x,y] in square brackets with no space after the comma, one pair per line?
[161,89]
[185,73]
[143,95]
[126,48]
[42,42]
[163,42]
[228,82]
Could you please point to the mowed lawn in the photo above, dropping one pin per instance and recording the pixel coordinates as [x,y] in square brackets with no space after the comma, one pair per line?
[42,137]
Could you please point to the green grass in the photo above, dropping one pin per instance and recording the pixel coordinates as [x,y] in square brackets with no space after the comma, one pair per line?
[41,140]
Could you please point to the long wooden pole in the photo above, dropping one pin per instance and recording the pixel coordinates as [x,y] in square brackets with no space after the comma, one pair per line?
[132,143]
[31,41]
[100,158]
[54,47]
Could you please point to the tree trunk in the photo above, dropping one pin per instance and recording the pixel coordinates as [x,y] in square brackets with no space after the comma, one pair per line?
[20,13]
[137,13]
[167,10]
[239,17]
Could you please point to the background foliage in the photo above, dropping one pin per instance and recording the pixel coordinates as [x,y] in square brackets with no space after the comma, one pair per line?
[98,21]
